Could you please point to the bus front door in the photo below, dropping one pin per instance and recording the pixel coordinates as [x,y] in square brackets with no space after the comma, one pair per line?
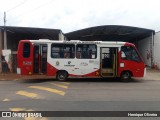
[108,62]
[40,59]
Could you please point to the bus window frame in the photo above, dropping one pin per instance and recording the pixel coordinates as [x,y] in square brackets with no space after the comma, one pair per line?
[24,52]
[125,58]
[63,52]
[81,51]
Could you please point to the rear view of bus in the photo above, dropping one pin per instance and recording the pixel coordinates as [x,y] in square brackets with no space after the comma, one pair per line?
[32,57]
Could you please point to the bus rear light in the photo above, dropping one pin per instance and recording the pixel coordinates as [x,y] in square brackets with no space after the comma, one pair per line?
[30,73]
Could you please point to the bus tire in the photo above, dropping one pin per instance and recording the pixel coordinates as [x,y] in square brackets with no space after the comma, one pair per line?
[62,75]
[125,76]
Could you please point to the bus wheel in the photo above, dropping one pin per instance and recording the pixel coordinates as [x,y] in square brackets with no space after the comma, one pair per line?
[125,76]
[62,75]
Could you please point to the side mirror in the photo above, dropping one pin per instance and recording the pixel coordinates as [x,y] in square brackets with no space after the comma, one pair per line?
[123,54]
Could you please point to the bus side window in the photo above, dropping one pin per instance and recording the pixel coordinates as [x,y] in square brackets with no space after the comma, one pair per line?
[66,55]
[63,51]
[86,51]
[78,55]
[26,50]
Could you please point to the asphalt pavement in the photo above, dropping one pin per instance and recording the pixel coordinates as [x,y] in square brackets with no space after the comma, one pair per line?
[80,95]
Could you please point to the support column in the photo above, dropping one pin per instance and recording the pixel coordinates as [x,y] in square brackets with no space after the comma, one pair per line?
[0,50]
[5,39]
[152,54]
[61,37]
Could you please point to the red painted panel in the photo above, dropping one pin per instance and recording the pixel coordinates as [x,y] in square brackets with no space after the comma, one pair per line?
[137,68]
[51,71]
[26,64]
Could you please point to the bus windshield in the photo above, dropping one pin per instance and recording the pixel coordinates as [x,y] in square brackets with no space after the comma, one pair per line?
[130,53]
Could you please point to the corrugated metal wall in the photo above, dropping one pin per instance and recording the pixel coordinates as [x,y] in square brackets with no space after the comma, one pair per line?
[1,49]
[145,49]
[157,49]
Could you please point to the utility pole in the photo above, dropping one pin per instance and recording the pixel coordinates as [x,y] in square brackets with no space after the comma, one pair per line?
[5,33]
[5,19]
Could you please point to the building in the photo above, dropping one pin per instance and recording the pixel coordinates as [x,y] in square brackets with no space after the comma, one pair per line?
[146,40]
[10,37]
[141,37]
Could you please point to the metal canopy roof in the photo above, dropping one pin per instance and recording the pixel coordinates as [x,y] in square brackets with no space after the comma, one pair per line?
[29,31]
[110,33]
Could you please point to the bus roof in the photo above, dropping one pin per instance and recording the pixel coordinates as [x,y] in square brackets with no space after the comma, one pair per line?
[77,41]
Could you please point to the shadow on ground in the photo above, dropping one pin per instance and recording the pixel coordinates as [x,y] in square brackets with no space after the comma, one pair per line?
[73,80]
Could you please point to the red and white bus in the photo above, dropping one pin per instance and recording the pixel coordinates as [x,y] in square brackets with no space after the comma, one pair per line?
[63,59]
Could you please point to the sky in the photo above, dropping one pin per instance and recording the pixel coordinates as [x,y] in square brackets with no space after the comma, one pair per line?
[71,15]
